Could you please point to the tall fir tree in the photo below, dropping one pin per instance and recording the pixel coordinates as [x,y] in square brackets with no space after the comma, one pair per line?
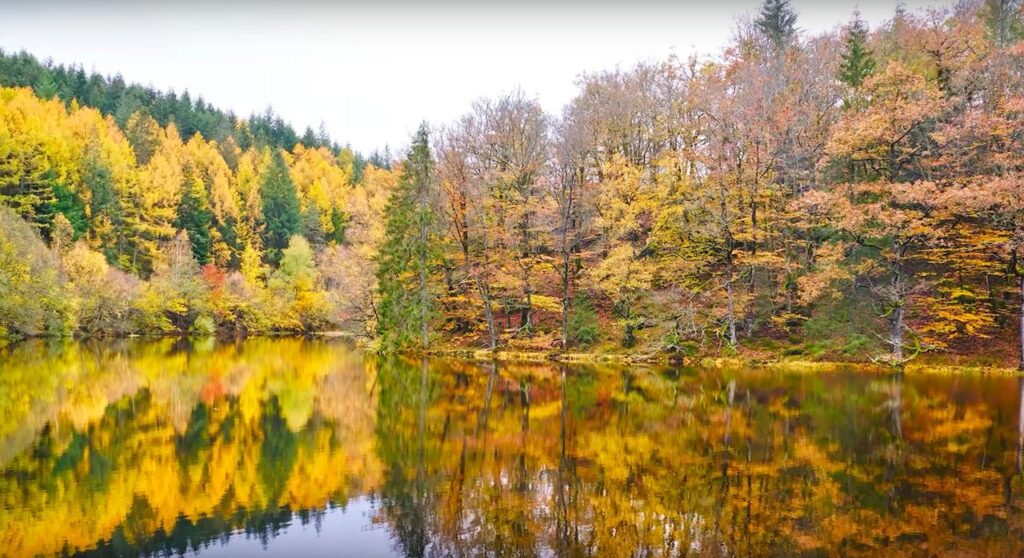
[282,214]
[777,22]
[45,86]
[403,265]
[106,217]
[858,61]
[70,205]
[195,216]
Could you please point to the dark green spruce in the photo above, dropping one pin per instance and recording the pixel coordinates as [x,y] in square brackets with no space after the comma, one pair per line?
[405,302]
[282,215]
[858,62]
[777,22]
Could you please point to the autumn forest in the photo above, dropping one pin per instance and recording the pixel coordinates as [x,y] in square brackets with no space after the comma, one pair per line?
[856,195]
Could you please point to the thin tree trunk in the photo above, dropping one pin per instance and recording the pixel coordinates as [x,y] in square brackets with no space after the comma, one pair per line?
[464,219]
[730,304]
[525,319]
[566,216]
[424,330]
[897,334]
[565,298]
[752,285]
[896,339]
[488,313]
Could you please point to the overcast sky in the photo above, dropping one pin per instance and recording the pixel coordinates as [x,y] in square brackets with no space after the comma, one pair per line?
[372,71]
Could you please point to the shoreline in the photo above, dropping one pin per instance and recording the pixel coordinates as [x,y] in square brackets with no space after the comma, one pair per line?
[802,365]
[556,357]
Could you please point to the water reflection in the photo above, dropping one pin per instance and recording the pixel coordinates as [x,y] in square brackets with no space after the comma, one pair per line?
[299,447]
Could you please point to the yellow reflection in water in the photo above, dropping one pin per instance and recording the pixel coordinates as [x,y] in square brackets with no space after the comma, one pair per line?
[164,446]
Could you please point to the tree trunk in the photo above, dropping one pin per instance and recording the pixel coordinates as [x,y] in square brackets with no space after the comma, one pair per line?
[424,330]
[897,334]
[464,218]
[730,304]
[752,285]
[565,271]
[896,338]
[526,318]
[488,313]
[565,299]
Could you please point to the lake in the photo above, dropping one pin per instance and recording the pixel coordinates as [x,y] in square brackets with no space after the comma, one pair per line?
[291,447]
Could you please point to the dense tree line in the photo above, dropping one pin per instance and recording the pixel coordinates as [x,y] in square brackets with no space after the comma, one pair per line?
[853,194]
[111,229]
[850,194]
[113,96]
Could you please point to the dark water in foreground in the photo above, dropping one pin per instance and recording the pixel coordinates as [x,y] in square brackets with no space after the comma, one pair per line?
[296,448]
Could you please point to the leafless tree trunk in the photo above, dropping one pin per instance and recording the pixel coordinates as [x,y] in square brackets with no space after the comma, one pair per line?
[485,297]
[896,319]
[424,327]
[730,302]
[569,198]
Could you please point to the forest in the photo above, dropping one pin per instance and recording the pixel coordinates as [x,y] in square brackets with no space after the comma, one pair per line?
[852,195]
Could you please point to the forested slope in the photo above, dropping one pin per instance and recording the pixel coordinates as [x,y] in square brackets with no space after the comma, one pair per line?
[844,195]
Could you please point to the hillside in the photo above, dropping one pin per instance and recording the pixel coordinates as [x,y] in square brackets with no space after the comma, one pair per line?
[854,195]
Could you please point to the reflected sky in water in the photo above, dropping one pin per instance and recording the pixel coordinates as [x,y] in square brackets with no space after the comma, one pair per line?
[347,531]
[289,447]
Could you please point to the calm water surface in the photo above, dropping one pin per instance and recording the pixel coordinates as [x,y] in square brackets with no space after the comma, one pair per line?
[295,448]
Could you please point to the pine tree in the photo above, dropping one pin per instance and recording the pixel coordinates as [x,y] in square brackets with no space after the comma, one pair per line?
[281,211]
[858,61]
[70,205]
[777,22]
[195,216]
[45,86]
[405,302]
[312,229]
[322,137]
[105,215]
[309,138]
[27,182]
[338,222]
[143,133]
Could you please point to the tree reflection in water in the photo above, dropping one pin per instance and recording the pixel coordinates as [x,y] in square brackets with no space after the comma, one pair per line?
[163,447]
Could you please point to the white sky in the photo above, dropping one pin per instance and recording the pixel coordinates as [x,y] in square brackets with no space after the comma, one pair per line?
[372,71]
